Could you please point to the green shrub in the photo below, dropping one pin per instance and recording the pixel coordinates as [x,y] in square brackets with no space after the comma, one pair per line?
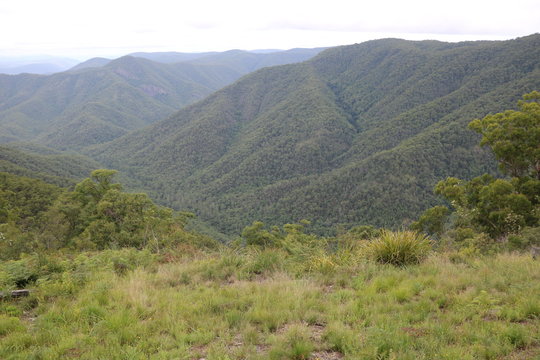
[266,261]
[528,237]
[399,248]
[9,325]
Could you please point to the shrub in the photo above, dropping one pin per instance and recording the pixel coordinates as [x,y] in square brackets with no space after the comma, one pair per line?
[529,237]
[266,261]
[399,248]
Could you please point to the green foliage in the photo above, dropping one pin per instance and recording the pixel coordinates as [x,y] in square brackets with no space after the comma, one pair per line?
[102,216]
[399,248]
[498,207]
[24,205]
[527,238]
[53,167]
[257,235]
[35,216]
[23,199]
[514,137]
[495,206]
[364,232]
[432,220]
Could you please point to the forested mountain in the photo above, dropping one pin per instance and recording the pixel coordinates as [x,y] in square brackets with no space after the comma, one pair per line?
[100,100]
[44,164]
[358,134]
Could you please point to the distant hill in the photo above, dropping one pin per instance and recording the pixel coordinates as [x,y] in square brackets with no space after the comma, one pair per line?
[35,65]
[100,100]
[171,57]
[91,63]
[241,60]
[246,61]
[359,134]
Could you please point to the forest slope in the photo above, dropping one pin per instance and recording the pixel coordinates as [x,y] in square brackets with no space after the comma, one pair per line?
[62,169]
[359,134]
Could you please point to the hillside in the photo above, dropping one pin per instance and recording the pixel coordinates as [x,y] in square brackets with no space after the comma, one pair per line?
[69,110]
[171,57]
[246,61]
[54,167]
[34,64]
[359,134]
[101,100]
[91,63]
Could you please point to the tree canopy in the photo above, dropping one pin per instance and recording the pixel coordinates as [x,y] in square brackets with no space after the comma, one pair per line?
[514,137]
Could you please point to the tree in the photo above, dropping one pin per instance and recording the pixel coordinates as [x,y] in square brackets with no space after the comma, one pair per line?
[432,220]
[514,137]
[93,188]
[498,207]
[98,214]
[255,234]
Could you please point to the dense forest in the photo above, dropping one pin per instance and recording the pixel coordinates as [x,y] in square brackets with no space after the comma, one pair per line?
[358,134]
[54,167]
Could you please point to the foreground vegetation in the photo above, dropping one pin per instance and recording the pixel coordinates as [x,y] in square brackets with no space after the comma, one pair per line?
[266,304]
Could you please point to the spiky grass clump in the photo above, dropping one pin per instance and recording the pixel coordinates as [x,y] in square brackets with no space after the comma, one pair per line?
[399,248]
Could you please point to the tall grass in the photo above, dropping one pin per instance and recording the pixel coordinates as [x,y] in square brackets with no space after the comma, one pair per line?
[242,306]
[399,248]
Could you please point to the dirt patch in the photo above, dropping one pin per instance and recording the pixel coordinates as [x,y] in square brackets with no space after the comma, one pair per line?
[415,332]
[317,331]
[326,355]
[262,348]
[525,354]
[199,352]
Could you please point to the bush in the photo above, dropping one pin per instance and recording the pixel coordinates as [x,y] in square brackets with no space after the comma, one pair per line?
[529,237]
[399,248]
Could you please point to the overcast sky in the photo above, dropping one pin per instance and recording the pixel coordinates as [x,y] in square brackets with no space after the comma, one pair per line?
[83,29]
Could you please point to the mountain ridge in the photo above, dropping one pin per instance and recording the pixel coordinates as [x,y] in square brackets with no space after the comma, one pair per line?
[324,139]
[74,109]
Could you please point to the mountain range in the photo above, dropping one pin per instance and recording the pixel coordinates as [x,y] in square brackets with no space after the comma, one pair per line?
[358,134]
[102,99]
[41,64]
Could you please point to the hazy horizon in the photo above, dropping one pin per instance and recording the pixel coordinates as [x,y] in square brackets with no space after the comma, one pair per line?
[35,56]
[78,30]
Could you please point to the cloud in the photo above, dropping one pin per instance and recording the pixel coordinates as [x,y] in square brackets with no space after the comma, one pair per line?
[54,25]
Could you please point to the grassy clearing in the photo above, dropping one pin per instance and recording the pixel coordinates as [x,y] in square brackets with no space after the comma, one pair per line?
[264,305]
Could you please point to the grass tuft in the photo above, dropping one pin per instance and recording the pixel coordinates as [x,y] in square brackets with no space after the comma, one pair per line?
[399,248]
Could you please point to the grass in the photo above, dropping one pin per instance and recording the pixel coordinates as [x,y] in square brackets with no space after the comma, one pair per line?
[258,305]
[399,247]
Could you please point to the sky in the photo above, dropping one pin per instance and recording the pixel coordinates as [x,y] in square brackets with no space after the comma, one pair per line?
[111,28]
